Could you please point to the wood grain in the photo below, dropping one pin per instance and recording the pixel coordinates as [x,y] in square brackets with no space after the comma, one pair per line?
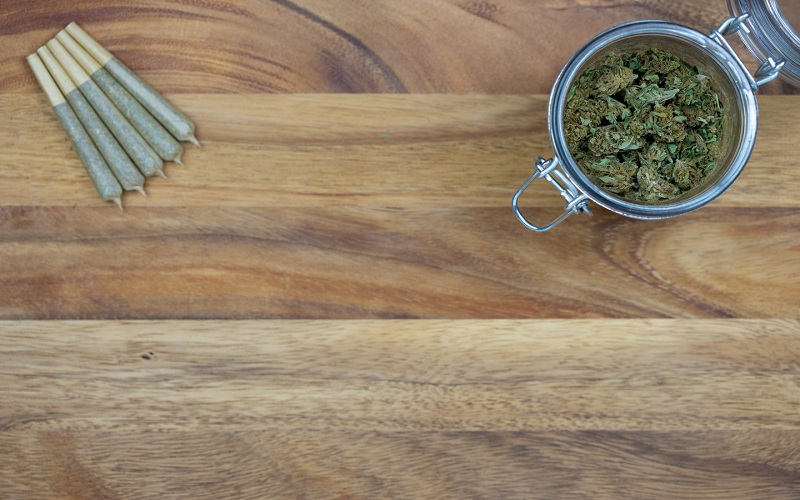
[364,150]
[378,206]
[360,46]
[333,298]
[445,409]
[348,262]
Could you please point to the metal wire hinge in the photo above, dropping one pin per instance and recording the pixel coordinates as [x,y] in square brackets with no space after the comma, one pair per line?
[768,70]
[576,201]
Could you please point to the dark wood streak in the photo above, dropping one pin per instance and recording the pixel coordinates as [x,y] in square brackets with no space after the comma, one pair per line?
[625,247]
[226,6]
[64,471]
[388,78]
[485,10]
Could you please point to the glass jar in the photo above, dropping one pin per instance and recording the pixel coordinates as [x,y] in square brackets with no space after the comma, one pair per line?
[765,31]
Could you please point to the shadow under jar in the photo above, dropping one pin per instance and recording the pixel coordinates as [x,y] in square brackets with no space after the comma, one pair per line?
[729,79]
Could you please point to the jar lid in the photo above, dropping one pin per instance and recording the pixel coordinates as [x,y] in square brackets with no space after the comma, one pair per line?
[772,31]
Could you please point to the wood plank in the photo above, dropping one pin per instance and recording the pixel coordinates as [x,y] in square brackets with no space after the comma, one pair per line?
[397,375]
[753,464]
[354,262]
[253,409]
[282,46]
[384,375]
[323,150]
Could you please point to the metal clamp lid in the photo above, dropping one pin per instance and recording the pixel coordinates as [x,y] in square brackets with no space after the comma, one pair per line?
[770,33]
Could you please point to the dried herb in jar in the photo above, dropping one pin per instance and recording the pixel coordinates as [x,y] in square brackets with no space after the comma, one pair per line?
[644,125]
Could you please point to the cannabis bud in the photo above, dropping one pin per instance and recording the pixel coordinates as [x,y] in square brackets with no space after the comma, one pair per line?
[644,125]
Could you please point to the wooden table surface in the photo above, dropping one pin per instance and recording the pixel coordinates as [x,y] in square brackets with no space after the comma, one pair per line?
[333,298]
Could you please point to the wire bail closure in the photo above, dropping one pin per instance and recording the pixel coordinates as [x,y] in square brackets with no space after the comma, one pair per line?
[576,201]
[769,69]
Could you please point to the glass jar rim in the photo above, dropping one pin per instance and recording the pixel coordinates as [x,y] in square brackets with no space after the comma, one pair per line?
[740,80]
